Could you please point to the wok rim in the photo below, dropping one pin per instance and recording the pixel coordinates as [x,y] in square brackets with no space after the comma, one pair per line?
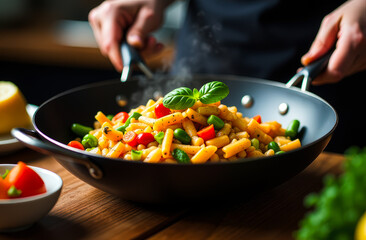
[271,83]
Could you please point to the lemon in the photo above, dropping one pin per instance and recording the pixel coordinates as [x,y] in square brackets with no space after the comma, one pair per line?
[13,111]
[360,232]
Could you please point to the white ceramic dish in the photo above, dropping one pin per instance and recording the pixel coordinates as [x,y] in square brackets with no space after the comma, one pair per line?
[8,143]
[21,213]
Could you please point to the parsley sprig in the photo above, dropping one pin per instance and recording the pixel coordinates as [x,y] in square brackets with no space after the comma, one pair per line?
[340,204]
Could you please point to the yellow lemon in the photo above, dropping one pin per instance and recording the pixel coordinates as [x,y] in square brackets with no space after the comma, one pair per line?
[360,233]
[13,111]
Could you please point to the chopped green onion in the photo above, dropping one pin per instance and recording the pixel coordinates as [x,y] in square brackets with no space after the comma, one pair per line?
[136,155]
[280,152]
[14,192]
[134,115]
[159,137]
[5,174]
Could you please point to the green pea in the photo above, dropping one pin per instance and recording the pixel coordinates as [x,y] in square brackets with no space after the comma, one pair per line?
[293,129]
[134,115]
[159,137]
[136,155]
[89,141]
[80,130]
[216,121]
[255,143]
[274,146]
[181,156]
[110,116]
[182,136]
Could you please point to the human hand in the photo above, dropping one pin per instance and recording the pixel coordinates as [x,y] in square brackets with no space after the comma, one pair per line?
[344,28]
[135,19]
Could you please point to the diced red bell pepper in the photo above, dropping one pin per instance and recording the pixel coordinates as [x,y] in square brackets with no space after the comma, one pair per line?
[258,118]
[76,144]
[207,133]
[145,138]
[161,111]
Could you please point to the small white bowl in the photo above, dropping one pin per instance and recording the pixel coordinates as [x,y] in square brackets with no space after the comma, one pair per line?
[21,213]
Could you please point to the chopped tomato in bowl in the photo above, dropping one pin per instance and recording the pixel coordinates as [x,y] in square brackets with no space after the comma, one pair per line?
[33,193]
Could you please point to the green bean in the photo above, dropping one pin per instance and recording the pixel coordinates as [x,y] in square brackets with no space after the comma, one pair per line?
[216,121]
[293,129]
[182,136]
[255,143]
[274,146]
[80,130]
[89,141]
[134,115]
[181,156]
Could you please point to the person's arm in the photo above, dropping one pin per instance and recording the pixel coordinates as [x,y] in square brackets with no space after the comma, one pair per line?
[344,28]
[111,19]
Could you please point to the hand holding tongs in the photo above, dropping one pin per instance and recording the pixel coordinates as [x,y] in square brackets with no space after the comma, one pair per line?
[131,57]
[308,73]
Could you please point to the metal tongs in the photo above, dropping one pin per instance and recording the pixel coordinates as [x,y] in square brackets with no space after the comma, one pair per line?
[131,58]
[308,73]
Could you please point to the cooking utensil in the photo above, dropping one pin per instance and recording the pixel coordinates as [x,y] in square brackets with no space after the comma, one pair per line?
[162,183]
[169,183]
[131,58]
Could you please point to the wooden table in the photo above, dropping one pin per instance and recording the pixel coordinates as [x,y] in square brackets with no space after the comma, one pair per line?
[84,212]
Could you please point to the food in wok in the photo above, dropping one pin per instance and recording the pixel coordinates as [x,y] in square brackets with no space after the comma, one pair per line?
[186,126]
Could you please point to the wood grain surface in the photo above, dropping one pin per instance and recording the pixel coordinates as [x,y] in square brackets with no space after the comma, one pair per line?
[84,212]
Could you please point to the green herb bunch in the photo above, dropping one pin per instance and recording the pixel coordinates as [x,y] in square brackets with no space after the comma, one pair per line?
[340,204]
[183,97]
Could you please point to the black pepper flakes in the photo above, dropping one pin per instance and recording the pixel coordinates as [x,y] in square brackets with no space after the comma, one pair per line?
[106,130]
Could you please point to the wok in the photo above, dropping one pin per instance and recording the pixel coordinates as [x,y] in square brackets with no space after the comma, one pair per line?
[163,183]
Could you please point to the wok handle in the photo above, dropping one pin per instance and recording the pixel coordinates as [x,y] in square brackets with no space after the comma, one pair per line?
[130,57]
[32,140]
[308,73]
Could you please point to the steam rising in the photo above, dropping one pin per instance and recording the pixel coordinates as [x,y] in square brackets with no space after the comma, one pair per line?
[201,47]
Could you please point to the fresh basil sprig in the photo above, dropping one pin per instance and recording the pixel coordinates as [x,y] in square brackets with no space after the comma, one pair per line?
[183,97]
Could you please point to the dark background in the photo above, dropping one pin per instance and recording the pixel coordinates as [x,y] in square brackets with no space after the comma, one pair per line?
[47,47]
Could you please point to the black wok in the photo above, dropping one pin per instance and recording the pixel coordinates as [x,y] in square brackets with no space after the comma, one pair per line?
[161,183]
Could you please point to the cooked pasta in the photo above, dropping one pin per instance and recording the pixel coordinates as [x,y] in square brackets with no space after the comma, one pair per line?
[215,132]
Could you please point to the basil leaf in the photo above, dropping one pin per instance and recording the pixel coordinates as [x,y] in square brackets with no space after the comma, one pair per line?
[180,98]
[213,92]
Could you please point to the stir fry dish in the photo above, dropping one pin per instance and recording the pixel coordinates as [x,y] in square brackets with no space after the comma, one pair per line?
[186,126]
